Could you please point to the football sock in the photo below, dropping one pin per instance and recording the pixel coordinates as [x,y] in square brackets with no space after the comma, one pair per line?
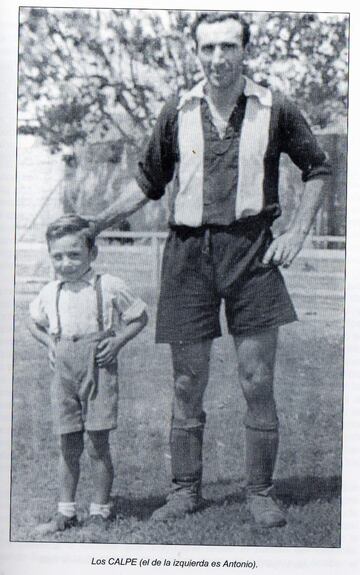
[261,451]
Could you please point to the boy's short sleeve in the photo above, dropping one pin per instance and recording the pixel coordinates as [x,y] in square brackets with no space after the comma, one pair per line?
[129,307]
[134,311]
[38,313]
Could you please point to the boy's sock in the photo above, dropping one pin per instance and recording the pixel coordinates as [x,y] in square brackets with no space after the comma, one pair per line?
[101,509]
[67,508]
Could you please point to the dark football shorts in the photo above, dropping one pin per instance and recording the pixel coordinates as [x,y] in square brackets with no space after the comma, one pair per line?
[202,266]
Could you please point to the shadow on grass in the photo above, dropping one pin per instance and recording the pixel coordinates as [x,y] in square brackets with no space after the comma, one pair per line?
[141,508]
[290,491]
[303,490]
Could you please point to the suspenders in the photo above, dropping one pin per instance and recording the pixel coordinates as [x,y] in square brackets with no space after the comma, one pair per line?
[99,303]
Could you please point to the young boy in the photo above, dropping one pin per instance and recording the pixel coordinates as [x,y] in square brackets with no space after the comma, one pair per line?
[84,319]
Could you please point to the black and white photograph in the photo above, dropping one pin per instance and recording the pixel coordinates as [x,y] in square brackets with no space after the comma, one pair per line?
[180,244]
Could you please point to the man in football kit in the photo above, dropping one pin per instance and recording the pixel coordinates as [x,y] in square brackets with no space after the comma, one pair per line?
[220,145]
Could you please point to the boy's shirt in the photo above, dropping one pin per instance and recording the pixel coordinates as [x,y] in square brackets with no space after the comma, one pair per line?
[78,305]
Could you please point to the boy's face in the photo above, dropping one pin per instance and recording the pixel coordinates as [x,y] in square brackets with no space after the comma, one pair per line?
[71,256]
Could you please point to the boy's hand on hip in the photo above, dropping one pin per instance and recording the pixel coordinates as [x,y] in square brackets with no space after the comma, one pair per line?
[106,351]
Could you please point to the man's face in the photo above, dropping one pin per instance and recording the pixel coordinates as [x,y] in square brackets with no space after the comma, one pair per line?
[221,52]
[70,256]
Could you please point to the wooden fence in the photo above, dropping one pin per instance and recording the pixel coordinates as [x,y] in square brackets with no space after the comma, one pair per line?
[137,257]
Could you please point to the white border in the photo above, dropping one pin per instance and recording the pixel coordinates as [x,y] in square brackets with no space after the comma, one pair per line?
[31,558]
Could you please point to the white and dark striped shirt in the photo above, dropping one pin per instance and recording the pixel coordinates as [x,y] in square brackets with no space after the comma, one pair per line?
[218,180]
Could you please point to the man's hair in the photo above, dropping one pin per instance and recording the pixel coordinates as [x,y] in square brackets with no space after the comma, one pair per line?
[67,225]
[212,17]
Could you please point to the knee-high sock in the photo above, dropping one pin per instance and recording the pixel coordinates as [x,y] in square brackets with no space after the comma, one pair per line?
[261,452]
[186,439]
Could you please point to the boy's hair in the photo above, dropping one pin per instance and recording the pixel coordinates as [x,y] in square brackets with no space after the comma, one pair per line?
[215,16]
[70,224]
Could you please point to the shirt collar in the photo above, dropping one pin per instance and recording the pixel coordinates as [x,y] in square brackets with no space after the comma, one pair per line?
[251,89]
[260,92]
[88,277]
[196,93]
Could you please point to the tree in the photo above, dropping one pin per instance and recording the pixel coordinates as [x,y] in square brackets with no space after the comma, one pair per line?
[306,56]
[86,72]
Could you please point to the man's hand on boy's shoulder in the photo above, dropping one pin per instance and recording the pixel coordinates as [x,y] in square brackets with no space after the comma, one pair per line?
[97,225]
[94,224]
[92,221]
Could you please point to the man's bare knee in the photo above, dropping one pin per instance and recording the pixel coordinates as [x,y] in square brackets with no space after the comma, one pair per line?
[192,360]
[184,388]
[256,361]
[257,381]
[191,374]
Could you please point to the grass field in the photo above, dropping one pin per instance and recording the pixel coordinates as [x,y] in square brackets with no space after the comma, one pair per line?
[308,473]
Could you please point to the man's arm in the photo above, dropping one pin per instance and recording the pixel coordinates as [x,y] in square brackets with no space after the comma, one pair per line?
[155,170]
[299,143]
[130,200]
[284,248]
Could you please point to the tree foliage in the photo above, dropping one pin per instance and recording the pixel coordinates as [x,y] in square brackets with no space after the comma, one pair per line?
[90,73]
[305,55]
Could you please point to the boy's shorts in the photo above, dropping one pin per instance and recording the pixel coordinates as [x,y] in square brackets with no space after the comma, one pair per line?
[202,266]
[84,396]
